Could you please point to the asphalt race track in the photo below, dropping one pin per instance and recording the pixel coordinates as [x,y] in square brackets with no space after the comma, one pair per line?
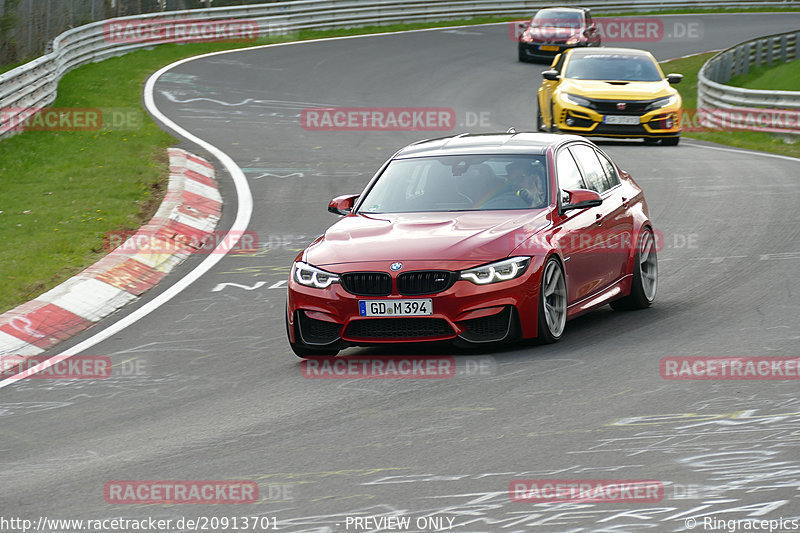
[206,387]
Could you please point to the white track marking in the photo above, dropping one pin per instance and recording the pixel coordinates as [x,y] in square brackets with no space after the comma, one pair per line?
[746,152]
[220,286]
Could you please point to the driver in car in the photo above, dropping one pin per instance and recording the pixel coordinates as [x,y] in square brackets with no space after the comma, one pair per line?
[526,180]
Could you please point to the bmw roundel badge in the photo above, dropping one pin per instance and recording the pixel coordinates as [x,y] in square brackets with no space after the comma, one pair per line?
[396,266]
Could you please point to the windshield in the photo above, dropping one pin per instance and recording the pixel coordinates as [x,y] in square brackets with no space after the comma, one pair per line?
[621,67]
[459,183]
[557,19]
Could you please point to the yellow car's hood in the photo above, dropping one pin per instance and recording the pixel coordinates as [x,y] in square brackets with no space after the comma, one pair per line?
[611,90]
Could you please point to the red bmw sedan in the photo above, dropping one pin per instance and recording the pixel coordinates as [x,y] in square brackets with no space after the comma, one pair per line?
[474,239]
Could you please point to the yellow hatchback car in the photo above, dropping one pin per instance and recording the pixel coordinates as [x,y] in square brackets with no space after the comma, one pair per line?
[610,92]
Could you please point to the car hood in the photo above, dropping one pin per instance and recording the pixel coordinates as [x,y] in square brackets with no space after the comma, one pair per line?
[610,90]
[475,237]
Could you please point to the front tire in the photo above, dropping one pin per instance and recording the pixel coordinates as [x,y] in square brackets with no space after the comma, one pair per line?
[553,128]
[671,141]
[552,303]
[522,56]
[645,276]
[539,120]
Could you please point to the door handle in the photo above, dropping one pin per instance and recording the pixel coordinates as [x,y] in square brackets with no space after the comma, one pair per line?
[624,202]
[598,219]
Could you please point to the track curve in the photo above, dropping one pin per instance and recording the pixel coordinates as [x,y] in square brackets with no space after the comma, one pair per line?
[221,397]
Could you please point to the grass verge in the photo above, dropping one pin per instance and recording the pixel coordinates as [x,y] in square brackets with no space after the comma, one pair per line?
[783,77]
[751,140]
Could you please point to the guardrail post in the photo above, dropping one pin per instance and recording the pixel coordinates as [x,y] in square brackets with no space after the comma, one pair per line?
[758,53]
[783,49]
[770,51]
[728,64]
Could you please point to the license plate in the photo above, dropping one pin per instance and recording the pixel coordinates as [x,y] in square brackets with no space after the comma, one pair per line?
[548,48]
[626,120]
[395,307]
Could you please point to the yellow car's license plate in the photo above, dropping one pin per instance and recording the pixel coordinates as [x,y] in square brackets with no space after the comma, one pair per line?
[625,120]
[548,48]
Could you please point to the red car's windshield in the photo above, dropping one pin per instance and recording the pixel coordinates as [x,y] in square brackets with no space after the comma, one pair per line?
[557,19]
[459,183]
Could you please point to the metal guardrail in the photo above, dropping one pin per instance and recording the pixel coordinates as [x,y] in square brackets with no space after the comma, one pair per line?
[722,106]
[34,84]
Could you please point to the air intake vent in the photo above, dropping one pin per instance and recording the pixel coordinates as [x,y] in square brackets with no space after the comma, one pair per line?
[367,283]
[425,282]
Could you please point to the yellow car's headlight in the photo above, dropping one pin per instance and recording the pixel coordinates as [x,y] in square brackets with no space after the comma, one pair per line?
[576,100]
[662,102]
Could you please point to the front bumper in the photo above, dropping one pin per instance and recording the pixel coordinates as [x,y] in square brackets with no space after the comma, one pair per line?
[659,123]
[468,312]
[544,50]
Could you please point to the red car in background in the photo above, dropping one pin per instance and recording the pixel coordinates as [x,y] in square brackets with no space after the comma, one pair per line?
[553,30]
[475,239]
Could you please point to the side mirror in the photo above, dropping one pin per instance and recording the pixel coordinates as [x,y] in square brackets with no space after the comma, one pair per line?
[342,205]
[672,79]
[581,199]
[551,75]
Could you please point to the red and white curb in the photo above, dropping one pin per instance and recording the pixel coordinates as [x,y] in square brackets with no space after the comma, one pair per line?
[188,214]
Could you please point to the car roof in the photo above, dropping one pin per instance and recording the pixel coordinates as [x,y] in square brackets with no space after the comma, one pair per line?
[486,143]
[601,50]
[572,9]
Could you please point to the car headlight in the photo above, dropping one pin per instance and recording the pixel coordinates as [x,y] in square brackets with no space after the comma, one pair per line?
[575,39]
[310,276]
[500,271]
[576,100]
[662,102]
[527,35]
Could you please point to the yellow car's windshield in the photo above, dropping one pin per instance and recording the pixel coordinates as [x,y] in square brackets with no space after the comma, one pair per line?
[622,67]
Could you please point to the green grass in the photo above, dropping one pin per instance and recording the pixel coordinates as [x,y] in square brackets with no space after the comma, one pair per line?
[783,77]
[751,140]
